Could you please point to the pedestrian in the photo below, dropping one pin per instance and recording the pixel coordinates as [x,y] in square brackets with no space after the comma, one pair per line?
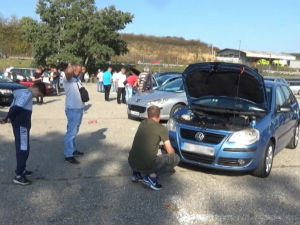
[132,80]
[56,78]
[86,75]
[121,81]
[20,117]
[145,82]
[38,82]
[99,80]
[107,78]
[74,111]
[143,158]
[114,82]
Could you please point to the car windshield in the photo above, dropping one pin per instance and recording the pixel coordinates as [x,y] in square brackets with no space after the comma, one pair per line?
[160,80]
[173,86]
[226,103]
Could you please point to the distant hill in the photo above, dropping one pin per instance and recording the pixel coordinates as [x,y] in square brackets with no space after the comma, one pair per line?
[170,50]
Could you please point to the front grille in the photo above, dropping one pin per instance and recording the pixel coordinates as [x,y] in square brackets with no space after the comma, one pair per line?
[232,162]
[137,108]
[198,157]
[209,138]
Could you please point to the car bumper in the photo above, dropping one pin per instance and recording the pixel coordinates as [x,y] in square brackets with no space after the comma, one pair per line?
[139,111]
[224,158]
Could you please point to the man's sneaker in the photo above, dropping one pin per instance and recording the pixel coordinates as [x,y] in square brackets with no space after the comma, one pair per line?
[72,160]
[27,173]
[152,183]
[22,180]
[78,153]
[136,177]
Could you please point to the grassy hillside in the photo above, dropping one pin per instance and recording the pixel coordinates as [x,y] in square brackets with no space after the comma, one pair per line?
[170,50]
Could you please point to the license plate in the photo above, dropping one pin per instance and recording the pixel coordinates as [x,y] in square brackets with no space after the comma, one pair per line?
[200,149]
[135,113]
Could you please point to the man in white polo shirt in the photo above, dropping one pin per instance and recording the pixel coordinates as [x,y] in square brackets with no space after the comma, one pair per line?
[74,111]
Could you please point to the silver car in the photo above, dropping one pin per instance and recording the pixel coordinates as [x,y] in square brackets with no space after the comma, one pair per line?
[169,98]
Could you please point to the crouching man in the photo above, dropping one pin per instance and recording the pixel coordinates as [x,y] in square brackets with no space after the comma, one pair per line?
[20,117]
[143,158]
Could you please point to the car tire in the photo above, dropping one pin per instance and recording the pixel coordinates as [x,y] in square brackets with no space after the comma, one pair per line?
[295,139]
[265,165]
[175,109]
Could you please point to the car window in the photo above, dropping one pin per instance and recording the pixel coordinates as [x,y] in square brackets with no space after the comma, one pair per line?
[269,93]
[173,86]
[280,99]
[288,95]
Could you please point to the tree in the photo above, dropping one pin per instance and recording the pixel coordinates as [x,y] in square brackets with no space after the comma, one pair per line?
[75,31]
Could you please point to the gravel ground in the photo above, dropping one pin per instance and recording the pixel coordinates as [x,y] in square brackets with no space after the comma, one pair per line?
[98,190]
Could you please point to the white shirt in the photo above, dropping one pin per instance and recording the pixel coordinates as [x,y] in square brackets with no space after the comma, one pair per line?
[120,79]
[73,98]
[100,76]
[114,77]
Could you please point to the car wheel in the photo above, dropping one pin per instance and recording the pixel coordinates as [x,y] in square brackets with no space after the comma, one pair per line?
[175,109]
[295,139]
[265,166]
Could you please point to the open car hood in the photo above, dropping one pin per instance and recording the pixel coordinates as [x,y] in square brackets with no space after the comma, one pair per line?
[224,79]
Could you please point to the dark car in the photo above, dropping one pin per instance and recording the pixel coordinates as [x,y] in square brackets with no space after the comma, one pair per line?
[6,91]
[234,119]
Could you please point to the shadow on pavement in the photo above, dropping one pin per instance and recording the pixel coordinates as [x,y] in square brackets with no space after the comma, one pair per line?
[97,191]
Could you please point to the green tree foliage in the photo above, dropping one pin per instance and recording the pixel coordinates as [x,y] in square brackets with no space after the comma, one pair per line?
[11,43]
[75,31]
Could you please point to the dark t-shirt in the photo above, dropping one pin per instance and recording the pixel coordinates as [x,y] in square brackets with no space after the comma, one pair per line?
[56,78]
[146,143]
[36,76]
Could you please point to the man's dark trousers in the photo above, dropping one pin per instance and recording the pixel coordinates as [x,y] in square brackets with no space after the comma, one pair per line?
[107,90]
[21,133]
[121,91]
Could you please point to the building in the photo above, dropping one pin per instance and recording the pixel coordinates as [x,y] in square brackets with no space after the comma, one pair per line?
[255,57]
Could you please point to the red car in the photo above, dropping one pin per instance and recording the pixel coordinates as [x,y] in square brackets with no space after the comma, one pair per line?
[49,89]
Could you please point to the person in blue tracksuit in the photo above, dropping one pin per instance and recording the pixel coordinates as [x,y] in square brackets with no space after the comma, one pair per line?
[20,117]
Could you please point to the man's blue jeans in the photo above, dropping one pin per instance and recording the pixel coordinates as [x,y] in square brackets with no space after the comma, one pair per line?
[74,117]
[128,92]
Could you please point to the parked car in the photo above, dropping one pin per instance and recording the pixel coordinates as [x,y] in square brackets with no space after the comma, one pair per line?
[234,119]
[48,87]
[295,87]
[19,74]
[169,97]
[6,91]
[276,79]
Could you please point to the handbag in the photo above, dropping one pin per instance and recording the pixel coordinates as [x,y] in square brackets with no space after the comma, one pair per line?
[83,93]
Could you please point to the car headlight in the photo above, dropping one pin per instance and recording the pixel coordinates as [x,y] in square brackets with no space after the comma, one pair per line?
[157,102]
[171,125]
[245,137]
[5,91]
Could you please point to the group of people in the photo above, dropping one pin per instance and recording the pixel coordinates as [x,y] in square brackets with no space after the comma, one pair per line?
[123,83]
[143,158]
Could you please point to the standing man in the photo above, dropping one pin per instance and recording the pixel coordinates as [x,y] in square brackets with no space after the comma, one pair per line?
[121,80]
[107,77]
[131,84]
[20,117]
[143,156]
[56,78]
[74,111]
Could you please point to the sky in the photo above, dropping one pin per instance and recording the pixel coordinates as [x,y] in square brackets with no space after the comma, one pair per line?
[261,25]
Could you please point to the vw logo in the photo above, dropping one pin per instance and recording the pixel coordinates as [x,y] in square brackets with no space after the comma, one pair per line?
[199,136]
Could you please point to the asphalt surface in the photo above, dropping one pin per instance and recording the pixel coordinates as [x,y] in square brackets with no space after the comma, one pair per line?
[99,191]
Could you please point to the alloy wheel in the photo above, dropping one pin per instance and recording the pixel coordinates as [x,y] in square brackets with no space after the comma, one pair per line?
[296,139]
[269,159]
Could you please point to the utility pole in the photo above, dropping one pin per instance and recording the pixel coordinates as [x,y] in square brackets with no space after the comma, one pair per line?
[240,50]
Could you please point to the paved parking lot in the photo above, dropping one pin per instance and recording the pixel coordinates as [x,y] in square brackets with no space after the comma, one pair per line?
[98,191]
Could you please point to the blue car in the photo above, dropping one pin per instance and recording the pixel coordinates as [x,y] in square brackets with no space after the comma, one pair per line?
[234,119]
